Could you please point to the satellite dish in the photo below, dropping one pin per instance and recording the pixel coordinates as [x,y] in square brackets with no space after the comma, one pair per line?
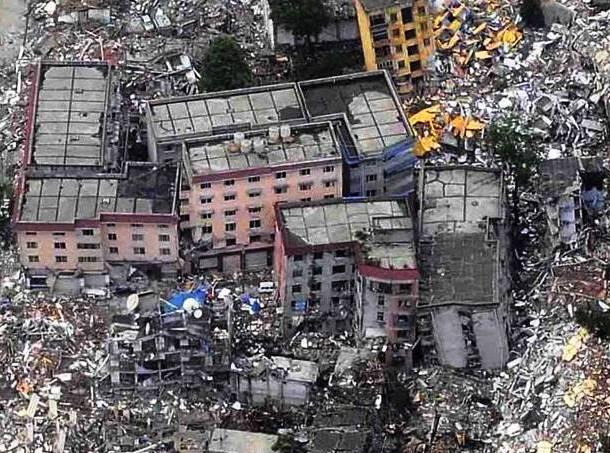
[190,305]
[198,313]
[133,300]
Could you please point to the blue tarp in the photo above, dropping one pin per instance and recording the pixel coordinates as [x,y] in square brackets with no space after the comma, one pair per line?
[252,303]
[200,294]
[594,199]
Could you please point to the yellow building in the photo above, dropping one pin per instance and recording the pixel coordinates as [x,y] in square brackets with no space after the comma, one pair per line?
[396,35]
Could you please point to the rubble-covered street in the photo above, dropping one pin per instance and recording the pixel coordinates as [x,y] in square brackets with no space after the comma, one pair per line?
[203,361]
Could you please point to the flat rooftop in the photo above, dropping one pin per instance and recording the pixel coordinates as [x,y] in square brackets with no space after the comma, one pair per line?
[143,190]
[232,441]
[370,103]
[307,143]
[374,5]
[458,199]
[70,112]
[209,113]
[328,223]
[368,100]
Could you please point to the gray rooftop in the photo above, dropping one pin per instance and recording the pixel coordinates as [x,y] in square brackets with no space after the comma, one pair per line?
[372,110]
[374,5]
[69,123]
[64,200]
[310,142]
[209,112]
[232,441]
[459,199]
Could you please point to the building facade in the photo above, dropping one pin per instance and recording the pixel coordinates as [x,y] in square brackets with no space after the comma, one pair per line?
[349,264]
[396,35]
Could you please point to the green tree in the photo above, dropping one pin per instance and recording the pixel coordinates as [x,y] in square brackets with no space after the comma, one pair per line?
[304,18]
[517,148]
[224,66]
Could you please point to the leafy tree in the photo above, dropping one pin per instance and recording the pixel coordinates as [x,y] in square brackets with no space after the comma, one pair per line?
[304,18]
[516,148]
[224,66]
[531,12]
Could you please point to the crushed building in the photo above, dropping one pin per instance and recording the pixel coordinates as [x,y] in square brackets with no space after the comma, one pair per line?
[464,292]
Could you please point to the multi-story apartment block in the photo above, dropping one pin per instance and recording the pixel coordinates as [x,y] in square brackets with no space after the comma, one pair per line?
[69,224]
[396,35]
[349,263]
[234,181]
[463,305]
[374,137]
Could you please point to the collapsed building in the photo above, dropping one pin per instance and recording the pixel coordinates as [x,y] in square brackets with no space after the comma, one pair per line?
[349,264]
[464,293]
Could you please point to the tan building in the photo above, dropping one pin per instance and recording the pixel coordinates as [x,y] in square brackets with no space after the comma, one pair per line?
[68,224]
[396,35]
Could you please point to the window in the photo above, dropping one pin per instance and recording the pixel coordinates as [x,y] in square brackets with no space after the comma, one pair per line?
[164,238]
[255,223]
[206,229]
[229,182]
[137,237]
[401,64]
[87,246]
[296,289]
[61,259]
[297,273]
[88,259]
[279,190]
[413,50]
[113,250]
[298,258]
[341,253]
[421,10]
[254,193]
[139,251]
[87,232]
[371,178]
[393,17]
[380,316]
[206,200]
[163,227]
[305,186]
[318,255]
[61,234]
[398,49]
[317,270]
[137,225]
[30,233]
[385,288]
[339,269]
[405,287]
[205,185]
[340,285]
[60,245]
[230,212]
[111,225]
[396,33]
[206,215]
[165,252]
[254,209]
[316,286]
[32,245]
[329,183]
[254,179]
[335,300]
[280,175]
[306,200]
[255,238]
[371,193]
[415,65]
[327,197]
[424,27]
[329,169]
[230,242]
[112,236]
[380,301]
[426,42]
[410,34]
[407,15]
[305,172]
[33,259]
[230,226]
[230,197]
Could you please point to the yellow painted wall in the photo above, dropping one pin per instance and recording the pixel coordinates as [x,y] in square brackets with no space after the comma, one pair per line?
[365,37]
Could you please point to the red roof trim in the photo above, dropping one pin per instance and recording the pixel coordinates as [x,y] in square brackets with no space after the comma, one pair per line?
[388,274]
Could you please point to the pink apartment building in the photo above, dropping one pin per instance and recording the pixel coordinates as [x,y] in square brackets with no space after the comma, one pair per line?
[233,181]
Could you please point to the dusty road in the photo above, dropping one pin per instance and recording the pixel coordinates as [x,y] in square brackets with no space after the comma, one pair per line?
[11,27]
